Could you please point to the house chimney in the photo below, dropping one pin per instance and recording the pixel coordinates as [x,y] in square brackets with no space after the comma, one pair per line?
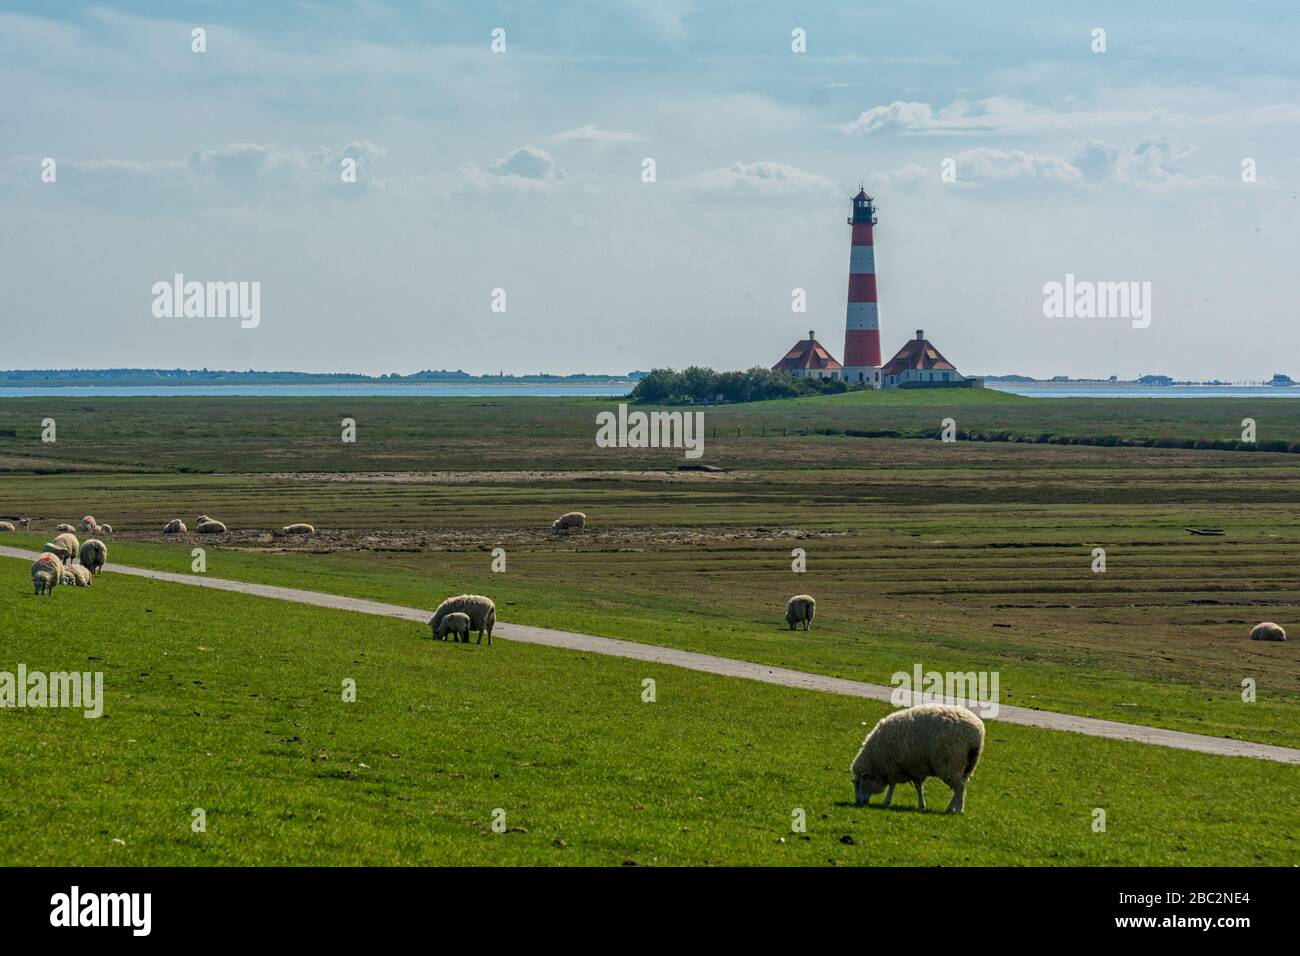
[920,334]
[811,336]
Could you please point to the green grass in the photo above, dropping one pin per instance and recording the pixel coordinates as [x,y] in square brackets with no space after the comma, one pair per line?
[233,704]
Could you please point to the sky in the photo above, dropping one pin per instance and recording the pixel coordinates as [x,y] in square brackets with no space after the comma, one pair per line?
[1004,149]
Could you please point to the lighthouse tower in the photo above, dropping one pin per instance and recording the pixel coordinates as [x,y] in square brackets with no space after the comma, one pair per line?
[862,329]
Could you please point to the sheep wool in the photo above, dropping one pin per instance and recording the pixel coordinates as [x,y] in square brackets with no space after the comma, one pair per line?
[800,610]
[481,611]
[76,575]
[58,550]
[69,541]
[47,570]
[933,740]
[457,624]
[211,527]
[175,526]
[572,521]
[93,554]
[106,529]
[300,528]
[89,523]
[64,527]
[6,526]
[1267,631]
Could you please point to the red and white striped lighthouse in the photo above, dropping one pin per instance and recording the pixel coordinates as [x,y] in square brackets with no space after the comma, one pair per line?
[862,328]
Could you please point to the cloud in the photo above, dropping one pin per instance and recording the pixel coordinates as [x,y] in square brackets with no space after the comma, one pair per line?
[591,134]
[997,114]
[760,178]
[999,165]
[527,162]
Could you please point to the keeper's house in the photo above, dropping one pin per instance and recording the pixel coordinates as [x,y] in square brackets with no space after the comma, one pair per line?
[809,359]
[919,364]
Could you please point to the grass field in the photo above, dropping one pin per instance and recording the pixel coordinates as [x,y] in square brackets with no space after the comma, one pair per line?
[234,705]
[959,556]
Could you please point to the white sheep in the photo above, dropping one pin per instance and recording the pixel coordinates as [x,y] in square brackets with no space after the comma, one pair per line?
[932,740]
[75,574]
[69,541]
[65,527]
[800,609]
[175,526]
[573,521]
[47,570]
[1267,631]
[5,526]
[457,624]
[89,524]
[210,526]
[23,523]
[301,528]
[481,611]
[105,529]
[93,554]
[57,549]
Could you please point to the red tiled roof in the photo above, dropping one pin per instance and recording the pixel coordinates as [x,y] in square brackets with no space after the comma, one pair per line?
[917,354]
[807,354]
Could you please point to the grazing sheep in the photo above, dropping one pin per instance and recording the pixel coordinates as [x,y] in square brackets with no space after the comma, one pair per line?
[69,541]
[75,574]
[481,611]
[93,554]
[89,523]
[210,527]
[455,623]
[64,528]
[573,521]
[175,526]
[933,740]
[46,572]
[800,608]
[60,551]
[6,526]
[23,523]
[106,529]
[297,529]
[1268,631]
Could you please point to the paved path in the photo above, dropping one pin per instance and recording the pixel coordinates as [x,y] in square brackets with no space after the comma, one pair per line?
[725,666]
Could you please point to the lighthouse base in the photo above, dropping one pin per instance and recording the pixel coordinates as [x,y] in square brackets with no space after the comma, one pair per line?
[867,375]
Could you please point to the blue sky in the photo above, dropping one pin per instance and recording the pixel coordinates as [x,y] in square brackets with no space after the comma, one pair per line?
[522,170]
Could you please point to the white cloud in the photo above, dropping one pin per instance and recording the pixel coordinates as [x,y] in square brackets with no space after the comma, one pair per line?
[527,162]
[997,165]
[760,178]
[591,134]
[996,114]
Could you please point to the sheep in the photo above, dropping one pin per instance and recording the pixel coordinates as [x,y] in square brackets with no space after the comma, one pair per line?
[59,551]
[65,527]
[5,526]
[46,572]
[933,740]
[799,608]
[93,554]
[573,521]
[457,623]
[106,529]
[175,526]
[89,524]
[297,529]
[75,574]
[69,541]
[1268,631]
[210,526]
[481,611]
[23,523]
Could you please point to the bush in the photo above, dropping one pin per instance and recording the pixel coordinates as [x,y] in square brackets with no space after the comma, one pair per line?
[668,386]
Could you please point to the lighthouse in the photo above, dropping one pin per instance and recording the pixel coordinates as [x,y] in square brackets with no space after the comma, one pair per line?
[862,328]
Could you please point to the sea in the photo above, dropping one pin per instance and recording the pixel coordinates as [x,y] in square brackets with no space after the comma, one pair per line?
[616,389]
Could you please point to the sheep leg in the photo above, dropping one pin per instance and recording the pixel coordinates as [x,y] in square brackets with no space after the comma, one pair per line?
[920,795]
[889,795]
[958,801]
